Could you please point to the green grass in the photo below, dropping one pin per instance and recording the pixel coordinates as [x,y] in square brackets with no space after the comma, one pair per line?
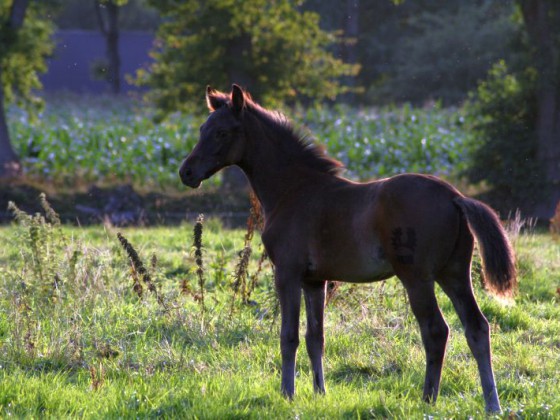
[88,346]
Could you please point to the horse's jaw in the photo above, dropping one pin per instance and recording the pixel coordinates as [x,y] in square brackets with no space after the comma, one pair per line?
[192,184]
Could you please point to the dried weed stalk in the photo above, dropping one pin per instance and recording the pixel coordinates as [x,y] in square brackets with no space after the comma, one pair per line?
[139,272]
[555,223]
[43,247]
[241,284]
[97,377]
[516,224]
[240,276]
[197,244]
[255,276]
[332,291]
[51,215]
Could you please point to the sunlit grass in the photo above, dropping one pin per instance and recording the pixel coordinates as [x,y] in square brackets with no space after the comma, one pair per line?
[94,349]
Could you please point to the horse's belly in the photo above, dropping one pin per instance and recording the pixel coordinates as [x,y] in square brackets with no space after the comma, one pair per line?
[352,265]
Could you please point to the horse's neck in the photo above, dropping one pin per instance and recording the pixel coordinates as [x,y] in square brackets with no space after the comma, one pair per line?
[264,166]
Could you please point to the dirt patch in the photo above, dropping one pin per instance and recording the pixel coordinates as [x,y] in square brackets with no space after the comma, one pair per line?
[123,205]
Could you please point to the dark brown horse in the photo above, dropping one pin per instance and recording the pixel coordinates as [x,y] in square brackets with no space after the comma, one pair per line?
[320,226]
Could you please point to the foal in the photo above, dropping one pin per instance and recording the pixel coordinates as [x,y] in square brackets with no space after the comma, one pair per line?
[320,226]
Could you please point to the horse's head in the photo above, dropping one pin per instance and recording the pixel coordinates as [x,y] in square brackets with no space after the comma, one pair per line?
[222,140]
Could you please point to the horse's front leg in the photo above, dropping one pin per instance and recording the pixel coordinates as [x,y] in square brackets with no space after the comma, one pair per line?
[288,286]
[314,294]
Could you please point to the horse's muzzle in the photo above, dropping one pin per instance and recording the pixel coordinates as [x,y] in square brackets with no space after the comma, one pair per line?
[188,178]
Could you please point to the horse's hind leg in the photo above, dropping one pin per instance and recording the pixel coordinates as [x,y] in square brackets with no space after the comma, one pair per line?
[314,295]
[477,333]
[434,332]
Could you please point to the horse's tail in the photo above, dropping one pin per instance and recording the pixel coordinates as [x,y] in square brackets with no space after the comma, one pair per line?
[498,258]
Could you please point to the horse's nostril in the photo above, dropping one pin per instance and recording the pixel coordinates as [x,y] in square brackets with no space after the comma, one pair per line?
[185,172]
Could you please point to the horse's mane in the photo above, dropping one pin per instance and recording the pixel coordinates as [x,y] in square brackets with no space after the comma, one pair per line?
[297,143]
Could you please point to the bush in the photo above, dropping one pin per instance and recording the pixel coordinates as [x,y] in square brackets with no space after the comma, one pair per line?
[501,114]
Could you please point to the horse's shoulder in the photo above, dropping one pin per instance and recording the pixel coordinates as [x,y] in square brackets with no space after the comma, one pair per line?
[285,244]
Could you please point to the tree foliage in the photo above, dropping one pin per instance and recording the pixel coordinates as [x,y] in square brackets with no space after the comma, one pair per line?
[423,49]
[517,116]
[502,113]
[25,42]
[23,52]
[80,14]
[439,61]
[275,50]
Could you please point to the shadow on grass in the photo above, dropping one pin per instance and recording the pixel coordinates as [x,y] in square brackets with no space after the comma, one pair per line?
[349,373]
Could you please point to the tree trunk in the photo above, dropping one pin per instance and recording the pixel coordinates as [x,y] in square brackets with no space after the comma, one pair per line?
[535,16]
[17,13]
[113,47]
[109,27]
[9,162]
[548,153]
[349,47]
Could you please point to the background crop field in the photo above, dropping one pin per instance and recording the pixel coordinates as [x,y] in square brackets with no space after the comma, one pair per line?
[107,140]
[76,339]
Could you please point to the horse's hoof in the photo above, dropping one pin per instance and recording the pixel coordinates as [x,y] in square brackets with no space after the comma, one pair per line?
[288,395]
[493,409]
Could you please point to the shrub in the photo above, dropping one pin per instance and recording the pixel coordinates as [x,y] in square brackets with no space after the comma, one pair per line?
[501,114]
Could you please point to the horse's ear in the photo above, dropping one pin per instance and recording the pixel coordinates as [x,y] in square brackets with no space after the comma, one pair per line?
[214,99]
[237,99]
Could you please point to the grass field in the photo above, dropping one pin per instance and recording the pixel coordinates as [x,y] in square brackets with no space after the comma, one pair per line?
[77,340]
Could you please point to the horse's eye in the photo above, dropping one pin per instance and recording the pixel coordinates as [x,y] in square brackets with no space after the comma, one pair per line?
[221,134]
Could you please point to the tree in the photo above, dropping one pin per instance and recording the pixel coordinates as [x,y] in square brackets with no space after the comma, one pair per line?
[349,51]
[25,42]
[135,15]
[517,116]
[342,17]
[437,61]
[541,19]
[502,123]
[109,17]
[272,48]
[107,12]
